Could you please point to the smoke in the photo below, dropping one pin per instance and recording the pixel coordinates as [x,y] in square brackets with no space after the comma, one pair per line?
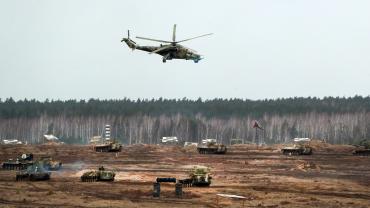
[70,169]
[76,166]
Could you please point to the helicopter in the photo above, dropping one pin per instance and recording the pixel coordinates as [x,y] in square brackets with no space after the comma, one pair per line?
[169,50]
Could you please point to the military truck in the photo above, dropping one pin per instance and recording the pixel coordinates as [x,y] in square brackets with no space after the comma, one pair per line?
[210,146]
[301,146]
[20,163]
[50,164]
[198,176]
[362,149]
[98,175]
[34,172]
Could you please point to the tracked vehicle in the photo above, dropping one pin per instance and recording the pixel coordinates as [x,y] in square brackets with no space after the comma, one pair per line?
[210,146]
[110,145]
[301,146]
[100,175]
[20,163]
[198,176]
[363,149]
[361,152]
[35,172]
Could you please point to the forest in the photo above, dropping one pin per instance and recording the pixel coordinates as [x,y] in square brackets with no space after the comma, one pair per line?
[333,119]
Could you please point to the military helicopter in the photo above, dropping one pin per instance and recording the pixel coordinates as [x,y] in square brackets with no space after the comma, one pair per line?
[170,50]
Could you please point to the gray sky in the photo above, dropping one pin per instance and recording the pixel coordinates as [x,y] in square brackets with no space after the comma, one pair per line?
[260,49]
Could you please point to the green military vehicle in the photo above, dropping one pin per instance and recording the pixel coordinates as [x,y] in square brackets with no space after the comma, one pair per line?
[34,172]
[20,163]
[198,176]
[98,175]
[210,146]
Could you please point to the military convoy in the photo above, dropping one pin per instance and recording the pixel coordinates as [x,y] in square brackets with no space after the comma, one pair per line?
[301,146]
[98,175]
[20,163]
[34,172]
[210,146]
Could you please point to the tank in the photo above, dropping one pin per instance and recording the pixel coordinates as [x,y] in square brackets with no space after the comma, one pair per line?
[363,149]
[34,172]
[20,163]
[297,150]
[108,147]
[98,175]
[210,146]
[198,176]
[50,164]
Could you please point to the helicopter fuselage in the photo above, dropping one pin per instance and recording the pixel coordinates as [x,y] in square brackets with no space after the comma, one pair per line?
[175,52]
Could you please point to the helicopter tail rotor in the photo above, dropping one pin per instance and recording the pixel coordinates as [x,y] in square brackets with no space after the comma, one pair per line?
[131,44]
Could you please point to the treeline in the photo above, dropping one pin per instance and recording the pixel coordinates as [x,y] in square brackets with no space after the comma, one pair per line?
[209,108]
[337,120]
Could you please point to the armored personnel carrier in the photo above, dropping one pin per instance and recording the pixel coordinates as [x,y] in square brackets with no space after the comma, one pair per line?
[50,164]
[198,176]
[363,149]
[34,172]
[301,146]
[20,163]
[210,146]
[100,175]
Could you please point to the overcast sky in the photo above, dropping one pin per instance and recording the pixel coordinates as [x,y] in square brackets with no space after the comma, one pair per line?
[260,49]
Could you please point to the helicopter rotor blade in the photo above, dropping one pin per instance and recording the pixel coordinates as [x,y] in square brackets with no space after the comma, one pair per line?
[189,49]
[128,34]
[162,41]
[174,33]
[161,49]
[194,38]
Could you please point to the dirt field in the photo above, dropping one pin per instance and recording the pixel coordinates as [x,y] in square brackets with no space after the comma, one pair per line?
[331,177]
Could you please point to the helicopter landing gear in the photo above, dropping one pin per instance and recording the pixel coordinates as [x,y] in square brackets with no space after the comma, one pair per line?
[196,60]
[166,57]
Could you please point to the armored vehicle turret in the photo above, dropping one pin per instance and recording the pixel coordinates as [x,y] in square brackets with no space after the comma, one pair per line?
[98,175]
[20,163]
[210,146]
[34,172]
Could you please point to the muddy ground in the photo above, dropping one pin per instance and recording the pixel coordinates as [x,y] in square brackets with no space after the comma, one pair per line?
[331,177]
